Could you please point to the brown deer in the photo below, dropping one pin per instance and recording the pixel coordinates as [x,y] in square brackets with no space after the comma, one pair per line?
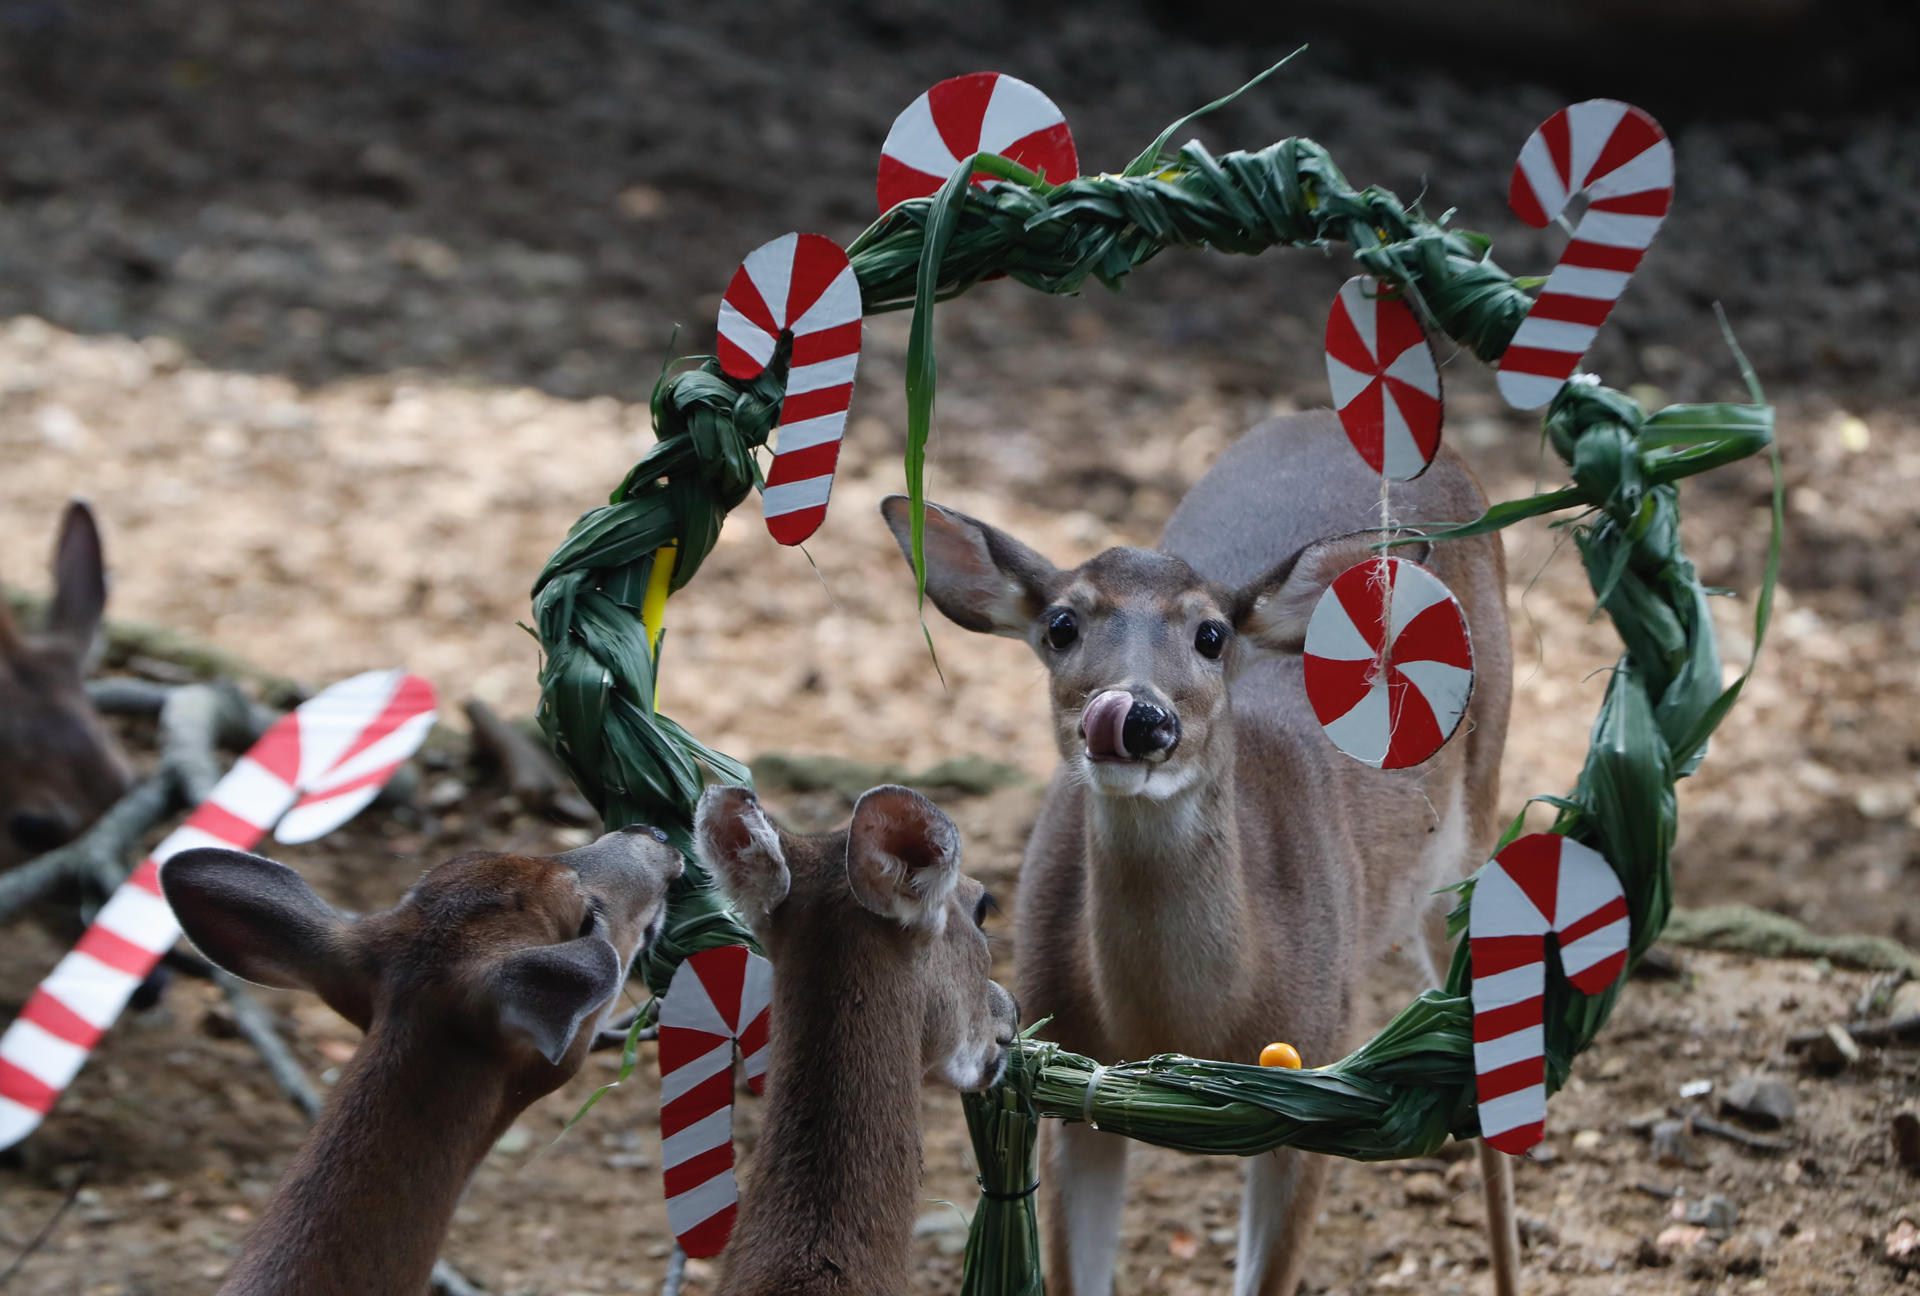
[1208,873]
[59,768]
[479,992]
[880,981]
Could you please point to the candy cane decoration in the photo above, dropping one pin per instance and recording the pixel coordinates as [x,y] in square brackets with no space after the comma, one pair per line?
[1620,158]
[984,112]
[718,997]
[1385,384]
[1540,883]
[1389,663]
[803,284]
[313,770]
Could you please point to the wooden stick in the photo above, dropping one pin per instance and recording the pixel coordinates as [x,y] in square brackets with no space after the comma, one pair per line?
[1900,1030]
[533,775]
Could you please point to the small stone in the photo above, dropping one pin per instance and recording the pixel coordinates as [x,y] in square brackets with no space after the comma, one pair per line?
[445,793]
[699,1271]
[1906,1139]
[1696,1089]
[1762,1101]
[1680,1237]
[1834,1051]
[945,1220]
[1587,1140]
[514,1141]
[1425,1189]
[1903,1244]
[629,1161]
[1224,1237]
[1713,1212]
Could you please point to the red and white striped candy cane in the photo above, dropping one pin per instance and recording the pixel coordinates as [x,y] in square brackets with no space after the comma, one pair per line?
[803,284]
[1620,158]
[1540,883]
[1386,387]
[983,112]
[312,771]
[719,997]
[1388,663]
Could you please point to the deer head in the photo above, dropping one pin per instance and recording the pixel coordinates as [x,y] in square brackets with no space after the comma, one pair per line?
[59,768]
[1141,651]
[886,893]
[513,957]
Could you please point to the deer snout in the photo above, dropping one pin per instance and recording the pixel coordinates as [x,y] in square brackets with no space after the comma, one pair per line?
[38,831]
[1118,726]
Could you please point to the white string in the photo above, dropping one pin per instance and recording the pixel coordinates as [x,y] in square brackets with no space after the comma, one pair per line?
[1086,1100]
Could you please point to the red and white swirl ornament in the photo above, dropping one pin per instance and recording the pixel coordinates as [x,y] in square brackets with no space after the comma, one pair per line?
[1620,158]
[1540,883]
[313,770]
[1385,384]
[984,112]
[800,284]
[719,997]
[1389,663]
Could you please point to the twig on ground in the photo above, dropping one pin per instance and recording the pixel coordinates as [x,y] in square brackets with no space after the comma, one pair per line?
[1734,1134]
[533,776]
[611,1037]
[96,853]
[1900,1030]
[46,1230]
[256,1024]
[1745,930]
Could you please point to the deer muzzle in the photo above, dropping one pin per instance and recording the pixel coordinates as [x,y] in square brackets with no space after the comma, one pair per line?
[1117,726]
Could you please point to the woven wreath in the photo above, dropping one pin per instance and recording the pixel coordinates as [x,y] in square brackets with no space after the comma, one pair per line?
[598,602]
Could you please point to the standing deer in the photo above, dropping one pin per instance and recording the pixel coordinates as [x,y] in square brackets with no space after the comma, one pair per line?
[479,992]
[59,768]
[880,981]
[1208,873]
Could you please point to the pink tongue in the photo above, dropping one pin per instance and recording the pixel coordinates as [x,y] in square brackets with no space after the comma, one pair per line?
[1101,724]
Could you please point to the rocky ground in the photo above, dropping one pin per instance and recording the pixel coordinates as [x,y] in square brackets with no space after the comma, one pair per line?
[341,320]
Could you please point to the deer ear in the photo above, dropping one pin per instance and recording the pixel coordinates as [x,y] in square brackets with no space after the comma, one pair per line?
[542,995]
[741,848]
[1271,614]
[981,578]
[903,857]
[260,921]
[80,581]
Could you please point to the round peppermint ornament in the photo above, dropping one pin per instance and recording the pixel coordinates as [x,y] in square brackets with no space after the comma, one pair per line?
[1389,664]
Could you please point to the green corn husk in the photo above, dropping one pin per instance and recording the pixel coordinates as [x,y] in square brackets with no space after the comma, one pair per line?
[1411,1087]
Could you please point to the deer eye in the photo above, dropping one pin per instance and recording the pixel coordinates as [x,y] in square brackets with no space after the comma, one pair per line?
[985,905]
[1210,640]
[587,922]
[1063,629]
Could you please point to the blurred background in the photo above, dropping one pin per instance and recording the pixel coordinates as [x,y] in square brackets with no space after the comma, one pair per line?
[340,314]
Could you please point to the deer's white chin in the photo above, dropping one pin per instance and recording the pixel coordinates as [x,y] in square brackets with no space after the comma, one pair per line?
[1153,781]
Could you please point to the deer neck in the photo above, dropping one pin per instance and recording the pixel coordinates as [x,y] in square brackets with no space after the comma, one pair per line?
[829,1200]
[1167,907]
[366,1204]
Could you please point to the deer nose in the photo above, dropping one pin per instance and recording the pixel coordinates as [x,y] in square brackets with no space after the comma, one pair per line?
[36,831]
[1150,730]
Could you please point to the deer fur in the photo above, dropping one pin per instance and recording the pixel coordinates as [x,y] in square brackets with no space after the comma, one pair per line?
[59,767]
[479,992]
[880,983]
[1230,882]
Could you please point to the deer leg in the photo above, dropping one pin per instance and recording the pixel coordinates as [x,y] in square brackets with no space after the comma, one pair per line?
[1082,1194]
[1277,1213]
[1503,1234]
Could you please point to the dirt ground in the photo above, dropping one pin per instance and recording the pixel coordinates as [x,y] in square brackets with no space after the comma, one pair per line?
[341,317]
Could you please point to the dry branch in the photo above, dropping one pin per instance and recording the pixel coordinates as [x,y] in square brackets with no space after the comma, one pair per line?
[533,776]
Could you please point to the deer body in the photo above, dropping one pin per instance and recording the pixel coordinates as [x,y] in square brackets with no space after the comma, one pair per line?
[479,992]
[1208,873]
[880,981]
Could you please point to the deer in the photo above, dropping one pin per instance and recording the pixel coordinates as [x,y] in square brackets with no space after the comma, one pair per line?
[479,992]
[1207,872]
[881,981]
[59,767]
